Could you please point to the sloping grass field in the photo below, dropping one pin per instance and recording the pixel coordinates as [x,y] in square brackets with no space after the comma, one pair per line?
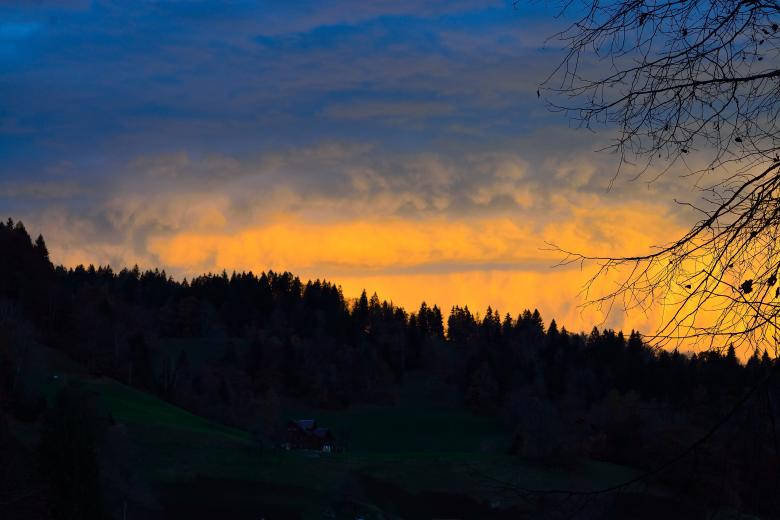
[419,457]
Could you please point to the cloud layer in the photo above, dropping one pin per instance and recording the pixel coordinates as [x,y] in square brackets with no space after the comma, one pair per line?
[393,146]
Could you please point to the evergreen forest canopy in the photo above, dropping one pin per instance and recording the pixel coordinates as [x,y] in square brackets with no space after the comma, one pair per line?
[306,340]
[563,394]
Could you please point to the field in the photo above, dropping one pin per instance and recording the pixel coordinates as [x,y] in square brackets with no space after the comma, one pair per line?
[422,458]
[412,460]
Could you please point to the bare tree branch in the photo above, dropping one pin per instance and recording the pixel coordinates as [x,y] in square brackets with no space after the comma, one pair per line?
[674,77]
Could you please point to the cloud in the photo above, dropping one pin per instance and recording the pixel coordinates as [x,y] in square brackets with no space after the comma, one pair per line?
[394,110]
[393,145]
[38,4]
[385,245]
[167,76]
[11,31]
[41,190]
[478,262]
[296,18]
[413,227]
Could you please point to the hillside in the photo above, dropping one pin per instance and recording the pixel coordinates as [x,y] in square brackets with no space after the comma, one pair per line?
[418,457]
[169,397]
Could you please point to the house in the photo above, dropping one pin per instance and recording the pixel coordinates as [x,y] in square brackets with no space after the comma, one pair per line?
[304,434]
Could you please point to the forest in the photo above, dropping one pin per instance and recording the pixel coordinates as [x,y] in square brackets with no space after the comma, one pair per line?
[242,350]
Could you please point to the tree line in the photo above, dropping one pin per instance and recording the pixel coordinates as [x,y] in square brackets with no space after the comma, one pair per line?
[275,338]
[308,340]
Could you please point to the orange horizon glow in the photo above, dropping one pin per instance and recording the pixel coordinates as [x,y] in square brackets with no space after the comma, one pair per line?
[505,263]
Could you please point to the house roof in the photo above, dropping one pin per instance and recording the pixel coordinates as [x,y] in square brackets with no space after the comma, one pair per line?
[322,432]
[305,424]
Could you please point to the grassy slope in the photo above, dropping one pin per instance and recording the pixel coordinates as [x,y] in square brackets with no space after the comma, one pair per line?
[135,407]
[423,444]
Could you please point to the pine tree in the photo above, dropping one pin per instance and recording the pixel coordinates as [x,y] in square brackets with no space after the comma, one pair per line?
[40,247]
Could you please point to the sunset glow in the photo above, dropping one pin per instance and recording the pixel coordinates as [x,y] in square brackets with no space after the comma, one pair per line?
[396,149]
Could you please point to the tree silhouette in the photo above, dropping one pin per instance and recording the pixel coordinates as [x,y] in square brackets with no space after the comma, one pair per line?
[68,458]
[40,246]
[692,86]
[235,348]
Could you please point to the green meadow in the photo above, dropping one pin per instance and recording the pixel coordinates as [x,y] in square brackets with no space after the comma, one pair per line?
[400,461]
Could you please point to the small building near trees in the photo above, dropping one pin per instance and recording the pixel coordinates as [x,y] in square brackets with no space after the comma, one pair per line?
[304,434]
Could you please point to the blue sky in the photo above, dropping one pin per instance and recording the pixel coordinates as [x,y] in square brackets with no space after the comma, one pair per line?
[83,83]
[126,126]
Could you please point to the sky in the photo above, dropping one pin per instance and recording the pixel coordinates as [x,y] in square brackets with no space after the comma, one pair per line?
[397,146]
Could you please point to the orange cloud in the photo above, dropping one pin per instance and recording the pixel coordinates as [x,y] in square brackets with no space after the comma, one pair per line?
[478,262]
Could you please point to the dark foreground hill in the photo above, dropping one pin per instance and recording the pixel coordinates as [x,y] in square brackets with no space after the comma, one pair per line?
[420,458]
[132,395]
